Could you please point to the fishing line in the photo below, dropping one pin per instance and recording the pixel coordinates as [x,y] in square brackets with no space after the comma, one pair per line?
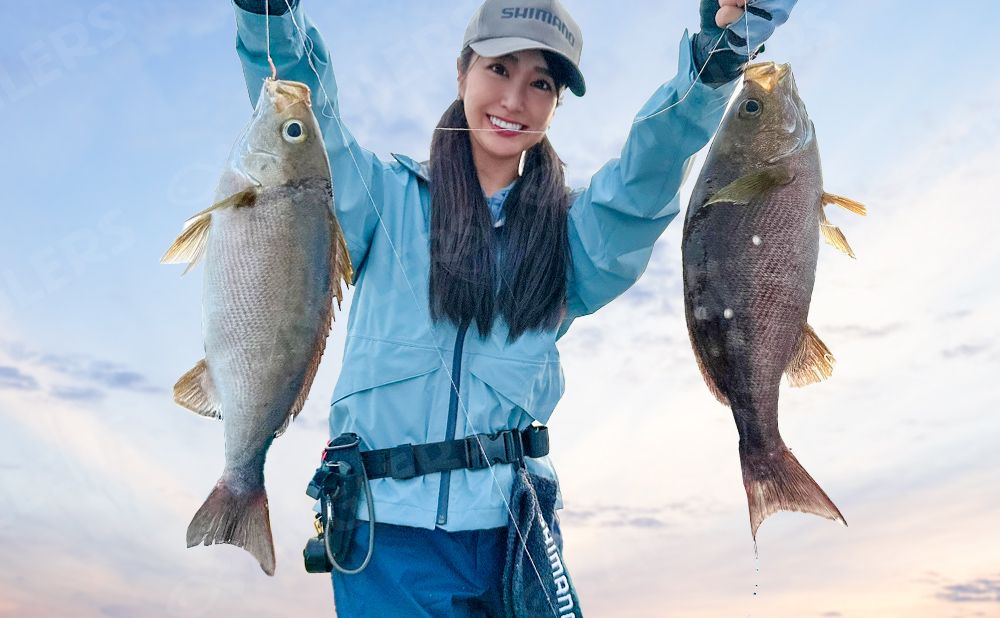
[267,34]
[309,46]
[715,49]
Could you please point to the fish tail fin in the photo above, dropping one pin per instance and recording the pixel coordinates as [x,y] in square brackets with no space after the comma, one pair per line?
[778,482]
[239,519]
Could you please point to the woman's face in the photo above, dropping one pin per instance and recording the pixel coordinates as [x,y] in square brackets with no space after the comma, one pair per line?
[515,91]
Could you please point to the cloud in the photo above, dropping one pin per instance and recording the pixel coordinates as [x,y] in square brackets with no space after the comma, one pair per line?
[984,590]
[96,372]
[639,522]
[966,350]
[627,516]
[12,378]
[76,393]
[863,331]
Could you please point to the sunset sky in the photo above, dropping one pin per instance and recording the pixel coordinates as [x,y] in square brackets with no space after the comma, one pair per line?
[115,121]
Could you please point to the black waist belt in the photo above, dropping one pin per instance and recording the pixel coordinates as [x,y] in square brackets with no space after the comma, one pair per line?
[474,452]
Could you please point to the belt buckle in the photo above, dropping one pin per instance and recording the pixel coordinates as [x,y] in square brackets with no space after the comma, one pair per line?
[484,450]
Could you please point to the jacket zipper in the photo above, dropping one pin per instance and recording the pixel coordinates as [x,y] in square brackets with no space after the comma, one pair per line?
[456,376]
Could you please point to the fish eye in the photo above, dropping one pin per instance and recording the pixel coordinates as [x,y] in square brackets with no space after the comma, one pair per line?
[751,107]
[293,131]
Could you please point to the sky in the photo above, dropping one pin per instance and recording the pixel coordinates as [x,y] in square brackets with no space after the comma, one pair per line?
[115,120]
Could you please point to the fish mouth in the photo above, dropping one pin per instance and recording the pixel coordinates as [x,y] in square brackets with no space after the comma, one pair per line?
[285,94]
[767,75]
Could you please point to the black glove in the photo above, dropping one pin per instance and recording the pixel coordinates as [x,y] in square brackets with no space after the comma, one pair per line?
[266,7]
[724,65]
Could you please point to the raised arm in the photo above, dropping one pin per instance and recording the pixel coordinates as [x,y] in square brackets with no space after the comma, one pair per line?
[356,172]
[614,222]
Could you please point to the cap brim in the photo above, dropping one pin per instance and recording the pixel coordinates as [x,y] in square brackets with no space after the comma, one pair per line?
[507,45]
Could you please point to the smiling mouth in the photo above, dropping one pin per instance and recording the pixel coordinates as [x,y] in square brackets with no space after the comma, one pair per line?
[504,125]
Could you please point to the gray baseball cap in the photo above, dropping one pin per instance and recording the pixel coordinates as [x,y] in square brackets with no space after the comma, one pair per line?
[502,27]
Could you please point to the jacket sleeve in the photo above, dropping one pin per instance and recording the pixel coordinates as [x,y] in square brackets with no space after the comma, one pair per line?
[615,221]
[356,172]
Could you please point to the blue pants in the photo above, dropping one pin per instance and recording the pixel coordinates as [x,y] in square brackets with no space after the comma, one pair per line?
[418,573]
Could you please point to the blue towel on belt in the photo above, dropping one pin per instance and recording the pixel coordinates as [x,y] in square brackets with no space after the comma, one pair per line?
[539,587]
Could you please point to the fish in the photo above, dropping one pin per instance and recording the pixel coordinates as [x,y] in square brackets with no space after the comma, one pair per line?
[275,260]
[749,249]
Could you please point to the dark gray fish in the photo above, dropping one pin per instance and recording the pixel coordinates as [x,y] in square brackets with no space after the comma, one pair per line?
[275,259]
[750,245]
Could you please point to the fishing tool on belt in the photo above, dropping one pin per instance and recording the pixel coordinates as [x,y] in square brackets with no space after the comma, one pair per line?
[329,110]
[346,470]
[337,485]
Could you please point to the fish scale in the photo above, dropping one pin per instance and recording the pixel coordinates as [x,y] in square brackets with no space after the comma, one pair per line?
[275,260]
[750,248]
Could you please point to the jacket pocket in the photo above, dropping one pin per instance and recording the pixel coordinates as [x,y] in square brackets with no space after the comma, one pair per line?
[372,363]
[535,387]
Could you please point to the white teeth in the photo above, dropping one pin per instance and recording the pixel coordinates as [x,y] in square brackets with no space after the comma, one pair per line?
[503,124]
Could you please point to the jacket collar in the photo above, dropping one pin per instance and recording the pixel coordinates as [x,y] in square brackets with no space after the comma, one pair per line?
[421,170]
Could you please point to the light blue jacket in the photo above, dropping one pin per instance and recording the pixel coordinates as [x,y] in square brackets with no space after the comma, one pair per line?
[396,383]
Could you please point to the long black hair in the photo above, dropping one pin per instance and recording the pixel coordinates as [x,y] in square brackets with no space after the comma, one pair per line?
[516,271]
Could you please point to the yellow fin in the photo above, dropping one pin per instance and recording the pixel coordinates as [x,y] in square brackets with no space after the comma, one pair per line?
[191,244]
[196,392]
[813,362]
[744,189]
[246,197]
[833,235]
[345,270]
[847,204]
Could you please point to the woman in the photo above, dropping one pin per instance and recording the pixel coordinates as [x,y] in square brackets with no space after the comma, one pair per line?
[467,272]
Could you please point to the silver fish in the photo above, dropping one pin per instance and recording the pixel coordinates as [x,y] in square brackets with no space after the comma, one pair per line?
[750,246]
[275,258]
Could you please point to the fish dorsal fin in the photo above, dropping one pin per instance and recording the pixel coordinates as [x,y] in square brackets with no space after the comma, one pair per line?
[833,235]
[813,362]
[196,392]
[190,246]
[744,189]
[341,272]
[847,204]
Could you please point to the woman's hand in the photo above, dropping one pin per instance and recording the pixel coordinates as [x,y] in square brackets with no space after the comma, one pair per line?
[721,49]
[729,11]
[755,20]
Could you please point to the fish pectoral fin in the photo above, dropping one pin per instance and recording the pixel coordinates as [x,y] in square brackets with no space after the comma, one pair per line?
[241,199]
[812,362]
[743,190]
[190,246]
[847,204]
[196,392]
[833,236]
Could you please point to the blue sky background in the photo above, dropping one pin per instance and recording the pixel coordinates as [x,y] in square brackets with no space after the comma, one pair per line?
[115,120]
